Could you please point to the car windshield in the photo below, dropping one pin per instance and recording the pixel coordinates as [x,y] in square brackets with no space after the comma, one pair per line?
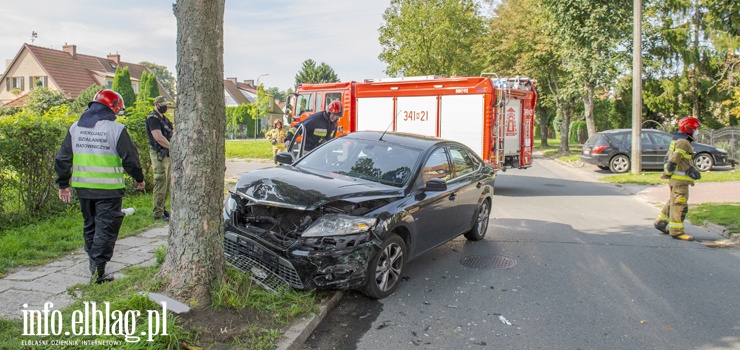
[376,161]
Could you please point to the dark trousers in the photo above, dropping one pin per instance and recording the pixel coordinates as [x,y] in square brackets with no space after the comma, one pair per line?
[103,219]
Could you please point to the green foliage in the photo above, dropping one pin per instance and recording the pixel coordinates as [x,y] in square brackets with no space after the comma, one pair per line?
[725,214]
[79,105]
[653,178]
[153,87]
[239,116]
[436,37]
[248,149]
[41,99]
[164,77]
[122,85]
[28,144]
[577,131]
[144,90]
[311,74]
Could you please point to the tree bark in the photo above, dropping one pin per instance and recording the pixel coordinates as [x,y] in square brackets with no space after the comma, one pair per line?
[566,108]
[195,259]
[588,108]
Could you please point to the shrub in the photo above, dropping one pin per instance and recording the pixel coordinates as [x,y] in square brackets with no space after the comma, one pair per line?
[135,122]
[41,99]
[79,105]
[28,144]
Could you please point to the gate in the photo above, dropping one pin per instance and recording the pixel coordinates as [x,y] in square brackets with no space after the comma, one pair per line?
[727,138]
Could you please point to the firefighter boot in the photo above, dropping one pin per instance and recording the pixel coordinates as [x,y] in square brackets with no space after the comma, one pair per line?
[683,237]
[99,276]
[661,225]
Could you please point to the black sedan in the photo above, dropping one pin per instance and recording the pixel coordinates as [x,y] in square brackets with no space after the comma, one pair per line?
[353,212]
[611,150]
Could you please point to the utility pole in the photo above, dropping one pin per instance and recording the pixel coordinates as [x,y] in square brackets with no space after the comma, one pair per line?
[636,156]
[257,101]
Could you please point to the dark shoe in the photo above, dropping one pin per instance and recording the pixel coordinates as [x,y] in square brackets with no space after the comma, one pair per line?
[106,278]
[162,218]
[662,226]
[99,276]
[166,214]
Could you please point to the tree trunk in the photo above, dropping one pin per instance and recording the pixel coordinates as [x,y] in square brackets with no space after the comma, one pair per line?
[588,108]
[566,108]
[543,128]
[195,259]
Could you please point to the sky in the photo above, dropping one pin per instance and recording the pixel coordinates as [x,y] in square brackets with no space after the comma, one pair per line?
[271,37]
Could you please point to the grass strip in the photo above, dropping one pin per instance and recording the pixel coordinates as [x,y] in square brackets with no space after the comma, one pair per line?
[246,149]
[724,214]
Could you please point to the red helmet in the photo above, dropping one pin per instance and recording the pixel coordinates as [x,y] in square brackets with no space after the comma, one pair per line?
[335,107]
[688,125]
[110,98]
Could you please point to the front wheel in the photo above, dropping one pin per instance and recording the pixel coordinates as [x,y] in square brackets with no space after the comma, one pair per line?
[704,162]
[619,164]
[385,270]
[480,226]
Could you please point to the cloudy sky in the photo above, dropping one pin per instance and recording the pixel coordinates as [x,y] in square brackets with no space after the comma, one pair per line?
[260,37]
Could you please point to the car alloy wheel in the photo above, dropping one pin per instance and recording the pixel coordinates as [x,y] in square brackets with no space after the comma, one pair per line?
[480,226]
[703,162]
[619,164]
[386,268]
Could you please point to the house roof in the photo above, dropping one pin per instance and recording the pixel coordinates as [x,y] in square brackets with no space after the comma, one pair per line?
[233,90]
[18,102]
[75,74]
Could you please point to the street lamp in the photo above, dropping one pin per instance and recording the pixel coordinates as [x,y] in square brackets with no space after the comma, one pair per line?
[256,100]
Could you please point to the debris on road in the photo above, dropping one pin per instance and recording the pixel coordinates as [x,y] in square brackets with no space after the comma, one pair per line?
[504,320]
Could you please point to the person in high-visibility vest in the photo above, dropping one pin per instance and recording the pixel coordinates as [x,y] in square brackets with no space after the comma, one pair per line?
[276,136]
[93,158]
[680,171]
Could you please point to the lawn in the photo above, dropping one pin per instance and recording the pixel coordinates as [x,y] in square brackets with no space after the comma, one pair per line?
[653,178]
[248,149]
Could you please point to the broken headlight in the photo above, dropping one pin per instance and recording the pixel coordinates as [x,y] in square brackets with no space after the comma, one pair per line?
[338,225]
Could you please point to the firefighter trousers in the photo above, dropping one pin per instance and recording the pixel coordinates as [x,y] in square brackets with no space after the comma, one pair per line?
[674,211]
[102,221]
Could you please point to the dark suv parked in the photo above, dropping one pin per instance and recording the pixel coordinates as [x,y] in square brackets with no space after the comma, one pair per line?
[611,150]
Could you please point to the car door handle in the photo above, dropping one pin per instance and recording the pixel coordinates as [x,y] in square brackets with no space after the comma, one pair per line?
[453,196]
[479,185]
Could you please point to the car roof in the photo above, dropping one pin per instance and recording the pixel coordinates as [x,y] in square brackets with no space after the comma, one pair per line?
[614,131]
[400,138]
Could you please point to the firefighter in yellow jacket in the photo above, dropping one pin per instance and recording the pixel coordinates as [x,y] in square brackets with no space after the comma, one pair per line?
[276,136]
[680,171]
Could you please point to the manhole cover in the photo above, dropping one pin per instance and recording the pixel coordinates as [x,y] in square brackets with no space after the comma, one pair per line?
[484,262]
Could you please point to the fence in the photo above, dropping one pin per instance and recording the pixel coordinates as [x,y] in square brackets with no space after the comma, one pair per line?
[727,138]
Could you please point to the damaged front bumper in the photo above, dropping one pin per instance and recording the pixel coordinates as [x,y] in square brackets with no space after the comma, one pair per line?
[311,263]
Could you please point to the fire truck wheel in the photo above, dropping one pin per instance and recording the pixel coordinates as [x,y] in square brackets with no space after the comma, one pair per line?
[480,225]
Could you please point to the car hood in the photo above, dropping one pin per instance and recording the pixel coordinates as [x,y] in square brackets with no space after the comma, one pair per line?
[296,188]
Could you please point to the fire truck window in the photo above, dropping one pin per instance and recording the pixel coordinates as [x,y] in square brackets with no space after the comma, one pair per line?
[437,166]
[320,107]
[305,103]
[462,161]
[331,96]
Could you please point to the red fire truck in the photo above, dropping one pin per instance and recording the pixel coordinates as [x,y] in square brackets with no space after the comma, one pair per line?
[492,116]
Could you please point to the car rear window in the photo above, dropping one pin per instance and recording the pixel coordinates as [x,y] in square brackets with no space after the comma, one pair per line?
[595,139]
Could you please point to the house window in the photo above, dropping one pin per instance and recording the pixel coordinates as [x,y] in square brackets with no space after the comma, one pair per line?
[110,84]
[13,83]
[38,82]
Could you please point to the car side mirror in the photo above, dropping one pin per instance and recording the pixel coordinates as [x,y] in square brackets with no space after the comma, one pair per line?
[435,185]
[284,158]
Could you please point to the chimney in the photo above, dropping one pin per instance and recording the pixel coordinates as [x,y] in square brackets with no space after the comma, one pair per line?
[250,82]
[233,80]
[71,50]
[115,58]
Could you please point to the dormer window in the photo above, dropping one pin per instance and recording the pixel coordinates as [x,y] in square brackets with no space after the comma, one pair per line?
[113,65]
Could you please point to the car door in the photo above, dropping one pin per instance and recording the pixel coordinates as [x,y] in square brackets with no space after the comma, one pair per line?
[648,148]
[468,183]
[435,217]
[662,141]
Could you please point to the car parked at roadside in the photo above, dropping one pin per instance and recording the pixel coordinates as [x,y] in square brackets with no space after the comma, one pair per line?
[352,213]
[612,149]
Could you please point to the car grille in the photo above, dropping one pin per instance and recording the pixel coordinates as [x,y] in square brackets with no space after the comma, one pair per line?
[268,269]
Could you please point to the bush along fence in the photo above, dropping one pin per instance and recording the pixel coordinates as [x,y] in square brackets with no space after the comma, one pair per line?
[727,138]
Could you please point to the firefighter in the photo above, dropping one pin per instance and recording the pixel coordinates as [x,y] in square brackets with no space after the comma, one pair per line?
[93,157]
[680,171]
[277,137]
[319,127]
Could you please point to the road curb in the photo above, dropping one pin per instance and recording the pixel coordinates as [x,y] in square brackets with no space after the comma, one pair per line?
[297,334]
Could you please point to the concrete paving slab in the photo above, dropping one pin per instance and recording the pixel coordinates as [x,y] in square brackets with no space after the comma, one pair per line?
[130,256]
[159,232]
[80,269]
[55,283]
[11,302]
[134,241]
[32,273]
[5,285]
[149,262]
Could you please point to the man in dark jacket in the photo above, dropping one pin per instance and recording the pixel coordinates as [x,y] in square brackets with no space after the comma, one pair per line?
[93,157]
[319,127]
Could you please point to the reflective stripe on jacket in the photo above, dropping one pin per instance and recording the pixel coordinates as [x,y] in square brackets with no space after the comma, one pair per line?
[96,163]
[681,153]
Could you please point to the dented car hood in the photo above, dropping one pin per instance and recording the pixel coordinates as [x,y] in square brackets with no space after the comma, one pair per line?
[296,188]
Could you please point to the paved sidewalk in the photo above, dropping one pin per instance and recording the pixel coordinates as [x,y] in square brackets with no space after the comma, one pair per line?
[35,286]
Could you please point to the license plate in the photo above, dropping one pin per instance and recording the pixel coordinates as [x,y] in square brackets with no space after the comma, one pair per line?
[586,151]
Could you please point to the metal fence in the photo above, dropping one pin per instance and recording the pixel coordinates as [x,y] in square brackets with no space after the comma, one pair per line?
[727,138]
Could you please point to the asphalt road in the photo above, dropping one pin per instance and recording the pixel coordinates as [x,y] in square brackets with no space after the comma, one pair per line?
[590,273]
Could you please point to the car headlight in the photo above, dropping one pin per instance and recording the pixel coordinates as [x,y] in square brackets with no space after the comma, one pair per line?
[229,206]
[338,225]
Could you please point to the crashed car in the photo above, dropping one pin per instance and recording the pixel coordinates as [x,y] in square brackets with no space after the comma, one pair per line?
[354,211]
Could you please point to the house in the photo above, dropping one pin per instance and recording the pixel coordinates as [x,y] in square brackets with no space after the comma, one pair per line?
[63,70]
[239,93]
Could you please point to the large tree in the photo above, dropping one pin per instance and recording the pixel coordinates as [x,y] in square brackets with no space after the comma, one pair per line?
[430,37]
[310,73]
[163,75]
[195,261]
[591,32]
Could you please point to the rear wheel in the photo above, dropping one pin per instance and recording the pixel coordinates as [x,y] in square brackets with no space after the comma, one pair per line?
[619,164]
[704,161]
[386,268]
[480,226]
